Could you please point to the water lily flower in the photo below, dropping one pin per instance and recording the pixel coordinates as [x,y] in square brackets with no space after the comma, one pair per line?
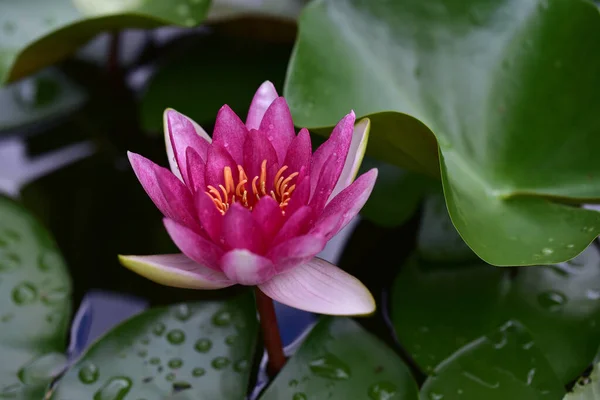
[254,205]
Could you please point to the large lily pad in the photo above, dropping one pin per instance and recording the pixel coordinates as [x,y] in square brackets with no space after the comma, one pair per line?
[504,364]
[438,306]
[507,87]
[37,33]
[340,360]
[188,351]
[35,305]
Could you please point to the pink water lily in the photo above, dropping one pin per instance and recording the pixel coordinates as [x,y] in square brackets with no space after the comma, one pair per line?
[254,205]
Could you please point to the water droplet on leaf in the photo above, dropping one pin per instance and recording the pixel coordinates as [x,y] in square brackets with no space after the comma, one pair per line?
[115,389]
[176,336]
[203,345]
[552,300]
[24,293]
[222,318]
[42,369]
[175,363]
[198,372]
[159,329]
[329,366]
[220,363]
[382,391]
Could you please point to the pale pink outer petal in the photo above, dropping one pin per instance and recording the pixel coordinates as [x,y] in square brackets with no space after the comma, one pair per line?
[175,270]
[296,251]
[358,146]
[278,125]
[347,203]
[193,245]
[182,132]
[320,287]
[263,98]
[196,169]
[336,146]
[230,132]
[178,197]
[246,268]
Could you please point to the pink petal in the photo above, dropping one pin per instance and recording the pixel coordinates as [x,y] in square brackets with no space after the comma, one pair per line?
[211,219]
[358,146]
[350,200]
[148,174]
[258,148]
[267,214]
[193,245]
[296,224]
[247,268]
[218,158]
[337,146]
[178,197]
[325,184]
[320,287]
[182,133]
[195,170]
[241,231]
[175,270]
[230,132]
[299,153]
[300,195]
[263,98]
[296,251]
[278,125]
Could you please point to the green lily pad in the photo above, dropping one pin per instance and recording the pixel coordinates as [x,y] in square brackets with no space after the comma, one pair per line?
[43,96]
[505,364]
[220,71]
[396,195]
[483,77]
[587,388]
[35,305]
[438,306]
[37,33]
[340,360]
[196,350]
[229,9]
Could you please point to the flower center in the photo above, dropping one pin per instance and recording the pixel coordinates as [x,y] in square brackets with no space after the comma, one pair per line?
[230,192]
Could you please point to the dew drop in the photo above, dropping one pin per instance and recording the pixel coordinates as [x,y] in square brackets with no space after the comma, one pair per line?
[88,374]
[220,363]
[170,377]
[176,336]
[293,383]
[115,389]
[222,318]
[231,339]
[480,381]
[55,296]
[49,261]
[181,386]
[552,300]
[329,366]
[142,353]
[382,390]
[435,396]
[240,366]
[9,261]
[547,251]
[155,361]
[159,329]
[299,396]
[24,293]
[183,312]
[175,363]
[530,376]
[203,345]
[198,372]
[42,369]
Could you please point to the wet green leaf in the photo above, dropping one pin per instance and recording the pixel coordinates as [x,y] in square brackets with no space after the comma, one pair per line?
[37,33]
[482,77]
[340,360]
[505,364]
[35,305]
[196,350]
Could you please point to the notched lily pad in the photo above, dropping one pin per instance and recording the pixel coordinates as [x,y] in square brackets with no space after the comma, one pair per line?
[195,350]
[35,305]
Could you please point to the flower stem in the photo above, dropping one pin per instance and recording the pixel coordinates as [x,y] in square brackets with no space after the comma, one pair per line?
[270,332]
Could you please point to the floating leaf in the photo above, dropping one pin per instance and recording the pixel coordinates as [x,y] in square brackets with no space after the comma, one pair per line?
[37,33]
[203,350]
[474,74]
[505,364]
[340,360]
[35,305]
